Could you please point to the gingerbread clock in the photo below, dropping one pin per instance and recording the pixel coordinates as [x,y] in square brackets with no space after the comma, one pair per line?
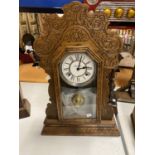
[79,54]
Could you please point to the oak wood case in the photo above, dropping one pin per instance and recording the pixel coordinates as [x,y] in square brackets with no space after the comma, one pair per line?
[78,30]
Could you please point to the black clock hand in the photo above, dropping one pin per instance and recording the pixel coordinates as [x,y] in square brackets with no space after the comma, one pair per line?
[84,67]
[79,63]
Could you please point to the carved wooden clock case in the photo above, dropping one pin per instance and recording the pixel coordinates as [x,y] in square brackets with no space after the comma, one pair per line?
[78,53]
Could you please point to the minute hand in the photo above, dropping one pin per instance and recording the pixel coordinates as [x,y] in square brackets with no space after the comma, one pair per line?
[79,63]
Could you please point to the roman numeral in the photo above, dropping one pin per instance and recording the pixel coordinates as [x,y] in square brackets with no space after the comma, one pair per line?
[72,77]
[66,68]
[89,68]
[78,79]
[84,77]
[88,62]
[67,63]
[83,58]
[70,58]
[77,57]
[68,73]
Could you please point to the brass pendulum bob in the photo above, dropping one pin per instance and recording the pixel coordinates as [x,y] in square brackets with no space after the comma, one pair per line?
[78,100]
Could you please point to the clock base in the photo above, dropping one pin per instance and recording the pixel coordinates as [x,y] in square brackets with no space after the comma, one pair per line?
[24,110]
[105,128]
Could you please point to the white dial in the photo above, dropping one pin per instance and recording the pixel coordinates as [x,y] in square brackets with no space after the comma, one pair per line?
[77,69]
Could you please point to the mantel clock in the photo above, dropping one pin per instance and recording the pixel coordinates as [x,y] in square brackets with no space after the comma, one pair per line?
[79,54]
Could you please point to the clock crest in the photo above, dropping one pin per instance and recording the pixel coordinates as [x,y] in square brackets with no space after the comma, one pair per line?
[79,53]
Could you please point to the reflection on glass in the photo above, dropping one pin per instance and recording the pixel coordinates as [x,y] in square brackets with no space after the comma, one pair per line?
[79,103]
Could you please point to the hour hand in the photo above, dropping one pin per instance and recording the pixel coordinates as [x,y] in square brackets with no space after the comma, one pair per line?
[84,67]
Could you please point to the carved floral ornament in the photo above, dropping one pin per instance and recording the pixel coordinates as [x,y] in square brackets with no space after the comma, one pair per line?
[78,24]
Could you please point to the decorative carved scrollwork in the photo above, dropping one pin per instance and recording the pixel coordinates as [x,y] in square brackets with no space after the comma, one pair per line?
[80,34]
[77,25]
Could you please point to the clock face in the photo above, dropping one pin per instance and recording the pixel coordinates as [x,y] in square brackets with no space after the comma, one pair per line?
[77,69]
[92,2]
